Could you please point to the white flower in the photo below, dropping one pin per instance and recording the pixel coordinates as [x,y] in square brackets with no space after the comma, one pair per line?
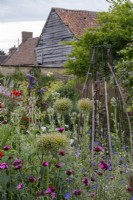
[71,141]
[43,128]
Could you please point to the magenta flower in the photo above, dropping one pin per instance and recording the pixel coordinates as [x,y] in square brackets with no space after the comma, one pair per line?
[103,165]
[50,190]
[18,167]
[60,129]
[45,164]
[4,166]
[77,192]
[32,179]
[62,152]
[53,195]
[92,194]
[16,162]
[20,186]
[100,173]
[6,147]
[58,165]
[69,172]
[98,148]
[86,181]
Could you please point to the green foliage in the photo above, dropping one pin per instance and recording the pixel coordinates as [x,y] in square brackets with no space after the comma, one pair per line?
[115,28]
[2,52]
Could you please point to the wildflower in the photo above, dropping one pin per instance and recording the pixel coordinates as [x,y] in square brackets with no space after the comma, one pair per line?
[98,148]
[94,187]
[18,167]
[16,162]
[58,165]
[86,181]
[69,180]
[67,195]
[53,195]
[4,121]
[129,188]
[43,128]
[20,186]
[77,192]
[92,194]
[100,173]
[4,166]
[131,198]
[60,129]
[32,179]
[69,172]
[1,154]
[15,93]
[45,164]
[1,105]
[62,152]
[6,147]
[50,190]
[103,165]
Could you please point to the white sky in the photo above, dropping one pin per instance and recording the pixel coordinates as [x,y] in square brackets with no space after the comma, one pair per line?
[30,15]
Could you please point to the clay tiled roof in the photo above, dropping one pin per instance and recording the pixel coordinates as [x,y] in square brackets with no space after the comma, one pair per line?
[24,55]
[77,20]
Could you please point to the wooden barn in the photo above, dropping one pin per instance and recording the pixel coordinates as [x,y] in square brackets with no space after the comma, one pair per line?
[61,25]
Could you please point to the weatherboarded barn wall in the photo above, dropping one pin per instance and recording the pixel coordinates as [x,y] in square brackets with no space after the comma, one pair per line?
[50,51]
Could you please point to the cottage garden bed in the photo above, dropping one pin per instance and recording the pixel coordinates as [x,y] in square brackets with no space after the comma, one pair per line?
[42,155]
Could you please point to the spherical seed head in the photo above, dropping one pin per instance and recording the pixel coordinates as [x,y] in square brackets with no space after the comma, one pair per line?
[63,106]
[84,105]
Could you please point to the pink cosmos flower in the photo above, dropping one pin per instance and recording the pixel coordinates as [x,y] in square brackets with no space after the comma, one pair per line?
[6,147]
[20,186]
[60,129]
[4,166]
[103,165]
[45,164]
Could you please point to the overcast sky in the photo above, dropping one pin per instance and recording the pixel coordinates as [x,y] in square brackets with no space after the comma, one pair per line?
[30,15]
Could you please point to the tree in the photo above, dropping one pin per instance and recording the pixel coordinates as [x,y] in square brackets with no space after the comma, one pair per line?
[115,28]
[2,52]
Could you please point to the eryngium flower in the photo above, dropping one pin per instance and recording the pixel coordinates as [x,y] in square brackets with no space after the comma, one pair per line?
[63,106]
[52,142]
[84,105]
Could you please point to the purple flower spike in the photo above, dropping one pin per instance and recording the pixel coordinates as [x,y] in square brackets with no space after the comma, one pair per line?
[45,164]
[6,148]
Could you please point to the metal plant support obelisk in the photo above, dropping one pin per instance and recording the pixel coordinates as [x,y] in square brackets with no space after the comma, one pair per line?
[101,82]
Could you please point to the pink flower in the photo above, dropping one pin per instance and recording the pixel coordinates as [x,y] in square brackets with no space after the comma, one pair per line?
[45,164]
[16,162]
[92,194]
[4,166]
[86,181]
[17,167]
[58,165]
[60,129]
[103,165]
[98,148]
[20,186]
[100,173]
[50,190]
[62,152]
[53,195]
[6,147]
[69,172]
[77,192]
[31,179]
